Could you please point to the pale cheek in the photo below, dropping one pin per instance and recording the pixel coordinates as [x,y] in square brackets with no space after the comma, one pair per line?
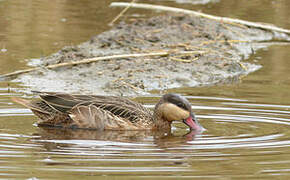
[177,115]
[172,117]
[174,113]
[183,115]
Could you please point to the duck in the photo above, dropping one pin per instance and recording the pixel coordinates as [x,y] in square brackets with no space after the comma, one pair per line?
[97,112]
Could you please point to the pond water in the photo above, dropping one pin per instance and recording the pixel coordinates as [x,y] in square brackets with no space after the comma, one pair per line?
[247,120]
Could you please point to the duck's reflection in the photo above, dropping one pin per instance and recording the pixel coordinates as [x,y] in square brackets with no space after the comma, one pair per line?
[56,138]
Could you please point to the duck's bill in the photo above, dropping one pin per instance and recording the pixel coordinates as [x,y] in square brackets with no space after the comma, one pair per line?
[192,123]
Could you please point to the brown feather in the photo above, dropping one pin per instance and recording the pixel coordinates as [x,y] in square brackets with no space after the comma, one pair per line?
[89,117]
[46,114]
[26,103]
[104,112]
[122,107]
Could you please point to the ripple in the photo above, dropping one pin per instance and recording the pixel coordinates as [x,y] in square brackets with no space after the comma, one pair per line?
[15,112]
[238,131]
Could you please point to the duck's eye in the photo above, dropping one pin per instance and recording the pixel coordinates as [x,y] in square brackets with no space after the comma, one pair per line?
[181,105]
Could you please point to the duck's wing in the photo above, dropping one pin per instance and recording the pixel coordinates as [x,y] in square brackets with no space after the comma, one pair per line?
[61,102]
[118,106]
[93,117]
[124,108]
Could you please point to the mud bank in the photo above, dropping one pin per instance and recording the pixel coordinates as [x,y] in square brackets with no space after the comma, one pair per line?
[212,53]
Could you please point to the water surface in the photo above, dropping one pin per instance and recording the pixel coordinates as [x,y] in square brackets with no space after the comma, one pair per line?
[247,121]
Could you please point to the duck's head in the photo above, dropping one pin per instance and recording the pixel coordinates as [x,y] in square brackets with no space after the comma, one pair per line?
[173,107]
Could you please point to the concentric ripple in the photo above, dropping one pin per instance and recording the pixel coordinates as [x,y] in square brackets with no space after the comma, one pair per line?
[240,134]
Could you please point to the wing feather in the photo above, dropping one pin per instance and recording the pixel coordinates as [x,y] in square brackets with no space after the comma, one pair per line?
[118,106]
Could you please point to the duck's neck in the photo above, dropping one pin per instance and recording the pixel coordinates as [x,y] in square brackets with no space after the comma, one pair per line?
[164,125]
[159,121]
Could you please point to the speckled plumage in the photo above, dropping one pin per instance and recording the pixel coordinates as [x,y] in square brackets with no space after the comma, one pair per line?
[104,112]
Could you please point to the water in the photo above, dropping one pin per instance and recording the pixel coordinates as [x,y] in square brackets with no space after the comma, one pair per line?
[247,122]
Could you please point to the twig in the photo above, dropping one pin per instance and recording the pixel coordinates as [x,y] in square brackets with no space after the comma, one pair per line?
[183,60]
[130,85]
[84,61]
[243,66]
[223,41]
[121,13]
[91,60]
[195,13]
[230,29]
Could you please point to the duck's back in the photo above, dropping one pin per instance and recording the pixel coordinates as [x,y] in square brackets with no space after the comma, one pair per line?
[90,112]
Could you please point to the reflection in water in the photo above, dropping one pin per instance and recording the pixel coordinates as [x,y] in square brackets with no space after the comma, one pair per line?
[247,124]
[90,138]
[255,139]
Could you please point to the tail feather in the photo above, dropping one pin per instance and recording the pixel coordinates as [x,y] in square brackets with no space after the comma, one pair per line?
[28,104]
[21,101]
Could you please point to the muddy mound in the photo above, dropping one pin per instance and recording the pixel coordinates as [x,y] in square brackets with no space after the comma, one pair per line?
[200,52]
